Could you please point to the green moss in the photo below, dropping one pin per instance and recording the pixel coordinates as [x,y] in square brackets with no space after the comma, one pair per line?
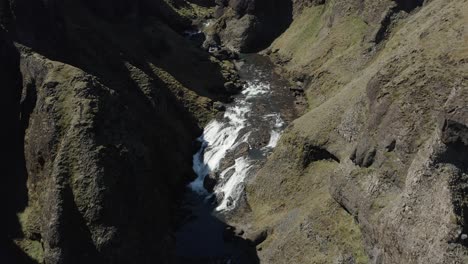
[193,11]
[197,105]
[311,37]
[325,230]
[339,227]
[454,219]
[32,248]
[349,231]
[66,105]
[379,203]
[303,31]
[358,26]
[333,222]
[29,220]
[359,172]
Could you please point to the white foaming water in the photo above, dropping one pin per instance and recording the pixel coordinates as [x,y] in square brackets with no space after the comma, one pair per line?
[233,186]
[255,89]
[216,140]
[274,138]
[276,132]
[207,23]
[220,136]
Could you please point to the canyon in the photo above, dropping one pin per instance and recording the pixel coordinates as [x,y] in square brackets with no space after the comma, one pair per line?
[293,131]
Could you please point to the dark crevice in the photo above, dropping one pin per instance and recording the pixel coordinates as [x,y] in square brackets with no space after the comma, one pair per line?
[13,190]
[387,22]
[314,153]
[409,5]
[28,103]
[363,157]
[384,29]
[355,217]
[272,19]
[455,138]
[391,146]
[77,240]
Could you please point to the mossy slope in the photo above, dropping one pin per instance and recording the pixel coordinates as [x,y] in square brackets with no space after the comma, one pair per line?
[379,108]
[112,98]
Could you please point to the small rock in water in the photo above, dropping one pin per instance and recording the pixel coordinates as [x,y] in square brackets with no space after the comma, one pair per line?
[210,181]
[223,54]
[219,106]
[464,236]
[228,175]
[220,197]
[213,49]
[229,202]
[297,91]
[211,43]
[241,150]
[231,87]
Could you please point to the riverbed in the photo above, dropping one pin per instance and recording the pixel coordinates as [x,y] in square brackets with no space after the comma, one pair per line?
[233,147]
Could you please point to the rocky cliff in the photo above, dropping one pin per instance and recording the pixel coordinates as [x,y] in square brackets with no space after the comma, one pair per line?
[375,171]
[104,100]
[250,26]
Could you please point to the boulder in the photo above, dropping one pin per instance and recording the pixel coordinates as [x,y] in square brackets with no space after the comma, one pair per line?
[232,87]
[230,158]
[251,25]
[210,181]
[258,237]
[211,40]
[230,201]
[219,197]
[219,106]
[220,54]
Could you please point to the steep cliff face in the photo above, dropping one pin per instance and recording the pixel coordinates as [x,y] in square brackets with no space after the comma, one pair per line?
[251,25]
[106,99]
[384,138]
[103,100]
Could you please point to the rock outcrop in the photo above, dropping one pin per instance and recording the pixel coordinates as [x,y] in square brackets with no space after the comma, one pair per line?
[251,25]
[106,99]
[103,101]
[376,170]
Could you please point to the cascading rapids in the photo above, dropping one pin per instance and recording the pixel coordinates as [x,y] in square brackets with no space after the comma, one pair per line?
[225,134]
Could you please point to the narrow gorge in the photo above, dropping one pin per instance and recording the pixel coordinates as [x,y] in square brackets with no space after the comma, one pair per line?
[233,147]
[235,131]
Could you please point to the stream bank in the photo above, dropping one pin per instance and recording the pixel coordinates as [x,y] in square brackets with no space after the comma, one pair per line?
[233,147]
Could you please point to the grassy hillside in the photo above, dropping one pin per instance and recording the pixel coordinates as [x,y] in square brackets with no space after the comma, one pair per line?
[378,105]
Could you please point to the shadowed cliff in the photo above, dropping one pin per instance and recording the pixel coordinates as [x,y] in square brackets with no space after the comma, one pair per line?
[251,25]
[105,99]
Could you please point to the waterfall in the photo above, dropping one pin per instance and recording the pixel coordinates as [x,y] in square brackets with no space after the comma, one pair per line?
[233,147]
[226,133]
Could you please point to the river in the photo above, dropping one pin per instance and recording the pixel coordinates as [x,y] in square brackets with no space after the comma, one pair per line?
[233,148]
